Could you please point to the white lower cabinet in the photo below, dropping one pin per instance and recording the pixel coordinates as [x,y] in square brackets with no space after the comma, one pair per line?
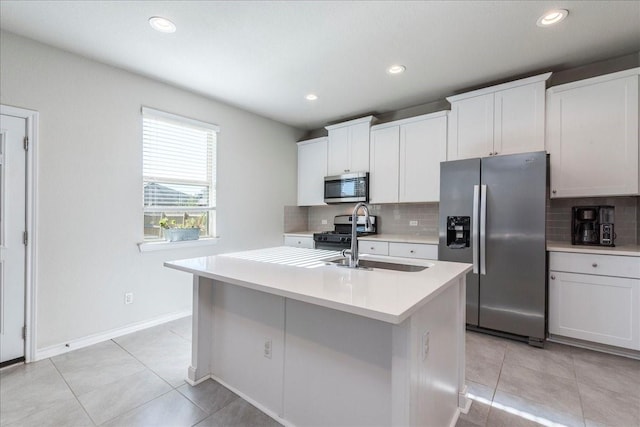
[398,249]
[413,250]
[374,248]
[299,242]
[587,302]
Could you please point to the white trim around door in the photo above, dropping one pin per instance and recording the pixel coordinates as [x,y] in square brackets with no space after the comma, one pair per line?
[31,118]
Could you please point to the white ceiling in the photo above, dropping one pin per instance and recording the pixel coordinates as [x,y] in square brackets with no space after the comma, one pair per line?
[265,56]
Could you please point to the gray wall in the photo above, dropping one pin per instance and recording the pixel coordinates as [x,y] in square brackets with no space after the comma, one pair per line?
[90,188]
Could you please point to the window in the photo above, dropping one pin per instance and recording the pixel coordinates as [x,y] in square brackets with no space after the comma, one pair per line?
[179,173]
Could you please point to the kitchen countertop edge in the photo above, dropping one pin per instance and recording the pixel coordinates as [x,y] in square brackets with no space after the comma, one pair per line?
[626,250]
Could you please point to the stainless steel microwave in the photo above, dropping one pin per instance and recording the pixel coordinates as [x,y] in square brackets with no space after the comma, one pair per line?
[347,188]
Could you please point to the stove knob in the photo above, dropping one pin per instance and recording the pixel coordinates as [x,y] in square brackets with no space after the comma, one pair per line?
[343,239]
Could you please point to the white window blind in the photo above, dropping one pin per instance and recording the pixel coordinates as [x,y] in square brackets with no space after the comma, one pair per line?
[179,170]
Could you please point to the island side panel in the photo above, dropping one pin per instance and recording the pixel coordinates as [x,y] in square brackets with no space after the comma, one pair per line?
[248,344]
[464,403]
[201,337]
[337,368]
[426,362]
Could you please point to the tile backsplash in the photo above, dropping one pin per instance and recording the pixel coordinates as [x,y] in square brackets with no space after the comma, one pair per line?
[395,218]
[627,217]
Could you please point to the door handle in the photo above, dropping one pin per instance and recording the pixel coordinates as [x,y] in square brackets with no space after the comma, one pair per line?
[483,229]
[475,228]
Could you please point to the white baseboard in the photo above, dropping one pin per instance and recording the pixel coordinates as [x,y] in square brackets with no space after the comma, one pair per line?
[54,350]
[618,351]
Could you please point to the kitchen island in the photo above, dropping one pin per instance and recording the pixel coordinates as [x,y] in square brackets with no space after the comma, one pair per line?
[311,343]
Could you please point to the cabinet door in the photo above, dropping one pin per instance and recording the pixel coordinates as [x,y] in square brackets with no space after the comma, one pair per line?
[592,136]
[339,152]
[601,309]
[373,247]
[413,250]
[383,178]
[471,128]
[312,168]
[423,145]
[299,242]
[359,147]
[519,119]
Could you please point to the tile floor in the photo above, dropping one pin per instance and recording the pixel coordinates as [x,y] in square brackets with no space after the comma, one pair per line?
[137,380]
[513,384]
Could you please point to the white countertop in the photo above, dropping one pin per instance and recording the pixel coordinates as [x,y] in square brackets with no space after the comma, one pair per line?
[305,233]
[628,250]
[301,274]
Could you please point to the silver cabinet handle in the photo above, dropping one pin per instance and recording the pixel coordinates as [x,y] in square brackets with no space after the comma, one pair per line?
[474,227]
[483,229]
[553,277]
[594,265]
[554,191]
[495,153]
[491,154]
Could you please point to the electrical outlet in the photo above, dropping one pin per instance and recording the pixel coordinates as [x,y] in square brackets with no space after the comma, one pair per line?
[413,223]
[267,349]
[324,222]
[128,298]
[425,345]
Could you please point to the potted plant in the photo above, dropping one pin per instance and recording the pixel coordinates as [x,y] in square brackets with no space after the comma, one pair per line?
[188,230]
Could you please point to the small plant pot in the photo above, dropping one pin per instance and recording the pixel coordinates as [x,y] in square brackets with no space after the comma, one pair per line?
[180,234]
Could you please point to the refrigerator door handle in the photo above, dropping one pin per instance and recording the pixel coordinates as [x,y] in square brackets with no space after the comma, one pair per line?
[483,229]
[475,229]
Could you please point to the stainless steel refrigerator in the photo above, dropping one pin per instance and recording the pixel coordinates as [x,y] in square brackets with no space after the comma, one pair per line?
[492,214]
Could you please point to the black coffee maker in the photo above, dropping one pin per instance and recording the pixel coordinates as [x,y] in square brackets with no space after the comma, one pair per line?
[592,225]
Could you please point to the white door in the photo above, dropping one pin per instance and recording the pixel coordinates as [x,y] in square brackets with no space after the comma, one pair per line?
[12,228]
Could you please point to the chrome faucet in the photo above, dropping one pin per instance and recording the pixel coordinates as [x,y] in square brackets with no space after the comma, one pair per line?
[353,252]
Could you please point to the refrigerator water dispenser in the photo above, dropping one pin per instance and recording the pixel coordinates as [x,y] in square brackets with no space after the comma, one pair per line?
[458,232]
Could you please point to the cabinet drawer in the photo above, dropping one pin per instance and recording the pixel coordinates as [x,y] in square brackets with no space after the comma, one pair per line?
[300,242]
[413,250]
[603,265]
[375,248]
[595,308]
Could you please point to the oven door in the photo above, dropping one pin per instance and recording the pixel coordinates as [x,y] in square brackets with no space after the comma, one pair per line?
[348,188]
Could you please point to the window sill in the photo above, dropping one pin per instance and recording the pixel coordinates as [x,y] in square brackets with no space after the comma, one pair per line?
[163,245]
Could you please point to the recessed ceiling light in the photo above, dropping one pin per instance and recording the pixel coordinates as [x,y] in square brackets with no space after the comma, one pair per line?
[552,17]
[311,97]
[396,69]
[162,24]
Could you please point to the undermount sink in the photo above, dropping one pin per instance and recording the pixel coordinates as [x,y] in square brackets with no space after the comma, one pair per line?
[370,264]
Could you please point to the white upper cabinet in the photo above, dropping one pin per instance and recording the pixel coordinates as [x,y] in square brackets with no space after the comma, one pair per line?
[312,168]
[592,136]
[385,165]
[504,119]
[423,145]
[471,127]
[348,146]
[405,159]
